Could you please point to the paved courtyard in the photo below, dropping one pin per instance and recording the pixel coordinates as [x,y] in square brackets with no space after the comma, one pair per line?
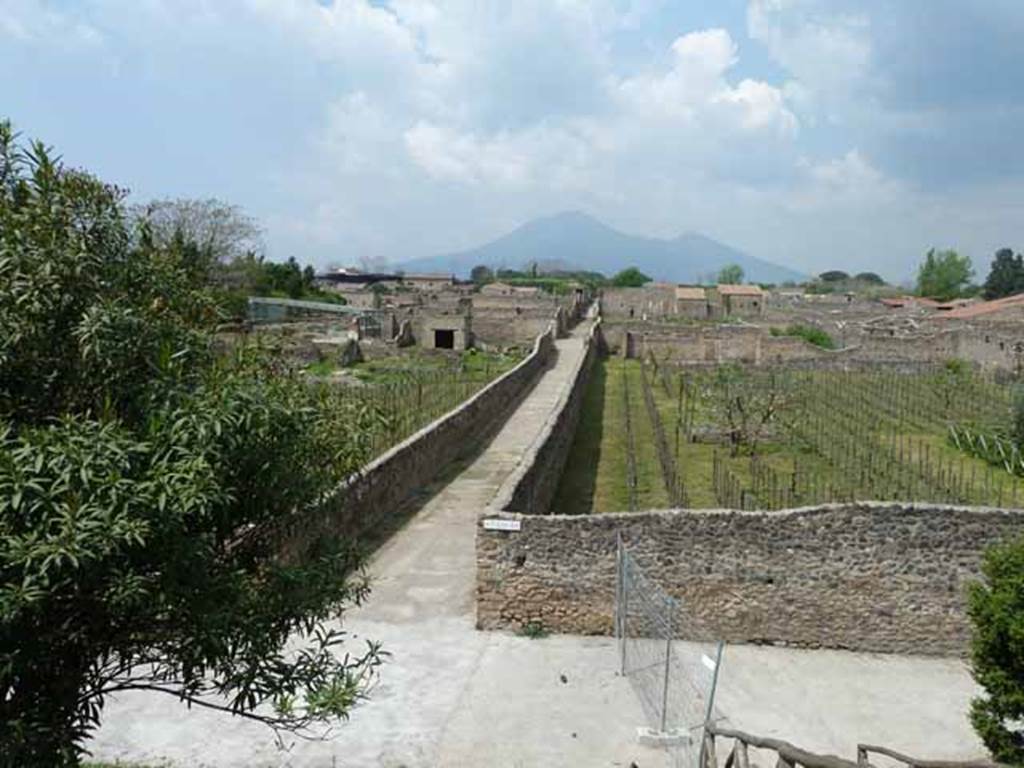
[452,696]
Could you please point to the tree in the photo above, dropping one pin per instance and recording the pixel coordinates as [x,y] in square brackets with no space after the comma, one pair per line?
[869,277]
[481,274]
[833,276]
[221,231]
[996,608]
[943,275]
[631,277]
[746,405]
[1006,277]
[141,478]
[730,274]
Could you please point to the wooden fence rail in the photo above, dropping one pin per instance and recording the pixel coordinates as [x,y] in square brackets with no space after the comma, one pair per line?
[790,756]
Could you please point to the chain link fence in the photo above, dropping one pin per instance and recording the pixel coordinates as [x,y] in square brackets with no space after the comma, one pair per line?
[671,659]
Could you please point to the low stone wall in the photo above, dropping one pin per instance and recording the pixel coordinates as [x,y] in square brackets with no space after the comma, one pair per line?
[878,577]
[531,487]
[505,327]
[370,498]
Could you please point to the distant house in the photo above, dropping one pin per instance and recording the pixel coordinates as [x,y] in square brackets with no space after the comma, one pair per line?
[352,279]
[506,289]
[739,300]
[691,302]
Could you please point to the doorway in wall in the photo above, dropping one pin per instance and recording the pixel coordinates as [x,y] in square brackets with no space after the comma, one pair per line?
[444,339]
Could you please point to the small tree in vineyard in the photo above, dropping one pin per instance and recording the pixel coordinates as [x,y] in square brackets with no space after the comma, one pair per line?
[139,474]
[745,406]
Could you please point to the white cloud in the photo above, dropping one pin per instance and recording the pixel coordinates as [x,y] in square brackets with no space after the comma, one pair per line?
[696,90]
[34,23]
[447,154]
[827,51]
[849,179]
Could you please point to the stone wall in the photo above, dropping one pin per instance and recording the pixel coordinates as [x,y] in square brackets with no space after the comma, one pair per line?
[366,501]
[710,344]
[878,577]
[510,327]
[652,301]
[531,487]
[705,344]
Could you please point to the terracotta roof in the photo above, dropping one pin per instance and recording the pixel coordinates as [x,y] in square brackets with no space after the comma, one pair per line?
[740,290]
[903,301]
[985,307]
[955,304]
[688,293]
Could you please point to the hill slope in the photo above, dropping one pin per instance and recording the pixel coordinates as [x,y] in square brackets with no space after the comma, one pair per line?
[578,240]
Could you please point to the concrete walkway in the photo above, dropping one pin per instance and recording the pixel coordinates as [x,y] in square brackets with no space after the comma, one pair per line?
[452,696]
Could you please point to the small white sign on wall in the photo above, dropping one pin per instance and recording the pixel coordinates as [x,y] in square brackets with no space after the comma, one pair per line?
[496,524]
[707,661]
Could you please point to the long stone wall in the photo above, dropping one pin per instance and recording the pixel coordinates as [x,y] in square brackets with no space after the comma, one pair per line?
[868,576]
[505,327]
[532,486]
[366,501]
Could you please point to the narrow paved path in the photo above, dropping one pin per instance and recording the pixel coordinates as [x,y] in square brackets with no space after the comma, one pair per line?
[449,695]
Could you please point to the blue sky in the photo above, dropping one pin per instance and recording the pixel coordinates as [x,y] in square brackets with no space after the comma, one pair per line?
[817,133]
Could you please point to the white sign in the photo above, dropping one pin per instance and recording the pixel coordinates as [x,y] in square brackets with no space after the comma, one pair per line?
[707,661]
[495,524]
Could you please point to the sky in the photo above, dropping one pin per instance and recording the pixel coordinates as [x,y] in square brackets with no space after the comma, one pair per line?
[819,134]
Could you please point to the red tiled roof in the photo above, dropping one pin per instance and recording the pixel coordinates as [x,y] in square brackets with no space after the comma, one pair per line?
[903,301]
[955,304]
[985,307]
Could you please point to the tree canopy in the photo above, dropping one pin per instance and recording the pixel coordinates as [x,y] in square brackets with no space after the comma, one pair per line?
[730,274]
[631,277]
[996,607]
[223,232]
[833,276]
[944,275]
[138,472]
[869,277]
[481,274]
[1006,277]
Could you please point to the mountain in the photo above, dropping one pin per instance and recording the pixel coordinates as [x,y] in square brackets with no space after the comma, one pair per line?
[576,240]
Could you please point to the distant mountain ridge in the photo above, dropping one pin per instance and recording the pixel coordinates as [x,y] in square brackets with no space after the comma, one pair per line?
[581,241]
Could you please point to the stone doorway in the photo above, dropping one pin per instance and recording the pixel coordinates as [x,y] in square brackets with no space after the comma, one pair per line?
[444,338]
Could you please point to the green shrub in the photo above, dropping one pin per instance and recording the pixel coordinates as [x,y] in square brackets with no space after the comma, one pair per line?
[534,629]
[996,608]
[808,333]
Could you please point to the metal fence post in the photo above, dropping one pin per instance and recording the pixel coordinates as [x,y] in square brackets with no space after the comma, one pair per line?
[621,606]
[668,663]
[711,703]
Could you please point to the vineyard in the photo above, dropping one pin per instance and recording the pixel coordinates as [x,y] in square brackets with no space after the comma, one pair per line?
[655,436]
[404,394]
